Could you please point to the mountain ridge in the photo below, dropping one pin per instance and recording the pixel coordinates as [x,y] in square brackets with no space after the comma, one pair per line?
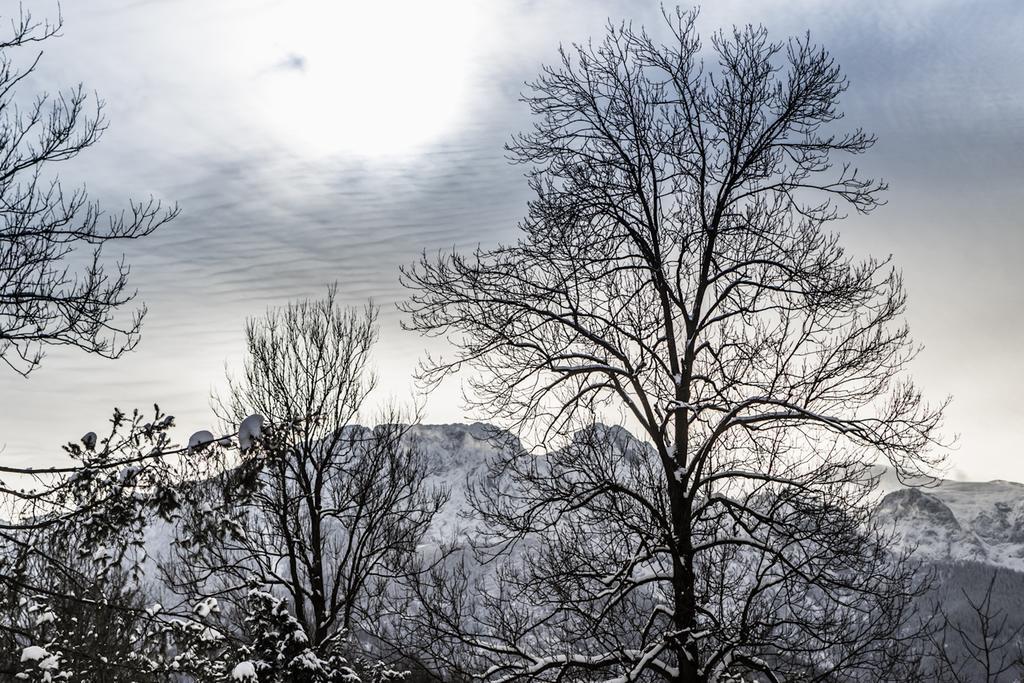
[947,520]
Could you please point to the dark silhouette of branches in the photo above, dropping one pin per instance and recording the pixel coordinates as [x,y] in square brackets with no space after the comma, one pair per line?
[310,519]
[89,612]
[337,513]
[56,287]
[677,272]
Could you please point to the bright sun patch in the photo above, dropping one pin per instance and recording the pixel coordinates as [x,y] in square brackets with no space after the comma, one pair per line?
[369,79]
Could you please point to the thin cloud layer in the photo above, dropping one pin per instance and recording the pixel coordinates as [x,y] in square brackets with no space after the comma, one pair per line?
[287,185]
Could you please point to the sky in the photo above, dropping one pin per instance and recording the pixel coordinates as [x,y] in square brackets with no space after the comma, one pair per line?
[316,142]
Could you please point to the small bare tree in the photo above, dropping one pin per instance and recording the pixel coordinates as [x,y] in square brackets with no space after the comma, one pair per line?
[677,272]
[51,293]
[338,510]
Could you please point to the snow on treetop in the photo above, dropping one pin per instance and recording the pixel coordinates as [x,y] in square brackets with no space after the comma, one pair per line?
[210,635]
[200,440]
[33,653]
[204,607]
[51,663]
[244,671]
[46,661]
[249,431]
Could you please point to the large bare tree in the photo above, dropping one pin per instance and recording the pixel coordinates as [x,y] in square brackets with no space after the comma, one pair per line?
[55,287]
[678,273]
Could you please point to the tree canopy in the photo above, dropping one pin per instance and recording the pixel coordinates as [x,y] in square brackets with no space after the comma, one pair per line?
[678,273]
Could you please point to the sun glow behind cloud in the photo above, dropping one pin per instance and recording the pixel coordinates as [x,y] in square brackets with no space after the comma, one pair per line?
[266,120]
[364,78]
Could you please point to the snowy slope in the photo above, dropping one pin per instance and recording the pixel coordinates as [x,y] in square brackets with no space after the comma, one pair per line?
[976,521]
[457,455]
[947,520]
[952,521]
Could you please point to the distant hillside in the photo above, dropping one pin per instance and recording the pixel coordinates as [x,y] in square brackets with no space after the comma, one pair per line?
[952,521]
[960,521]
[978,522]
[965,532]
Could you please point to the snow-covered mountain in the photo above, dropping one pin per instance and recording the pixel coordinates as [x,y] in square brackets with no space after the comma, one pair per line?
[456,455]
[949,521]
[955,520]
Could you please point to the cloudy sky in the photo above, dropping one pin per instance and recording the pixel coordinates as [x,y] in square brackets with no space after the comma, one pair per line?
[312,142]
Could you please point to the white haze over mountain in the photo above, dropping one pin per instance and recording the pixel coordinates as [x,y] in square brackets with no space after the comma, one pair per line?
[306,148]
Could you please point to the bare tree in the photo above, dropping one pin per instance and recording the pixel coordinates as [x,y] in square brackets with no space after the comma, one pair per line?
[677,272]
[306,526]
[338,509]
[51,292]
